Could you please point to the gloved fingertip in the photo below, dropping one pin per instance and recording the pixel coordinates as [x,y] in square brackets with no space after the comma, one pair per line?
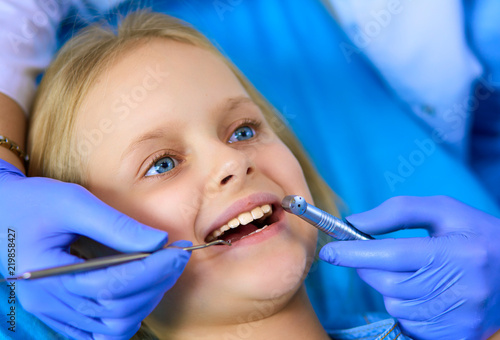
[163,242]
[128,235]
[368,222]
[154,238]
[182,243]
[356,220]
[177,258]
[328,254]
[181,261]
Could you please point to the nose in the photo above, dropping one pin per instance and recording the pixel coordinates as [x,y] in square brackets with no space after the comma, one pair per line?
[231,168]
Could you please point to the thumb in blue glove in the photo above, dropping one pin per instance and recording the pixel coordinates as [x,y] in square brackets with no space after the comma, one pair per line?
[44,217]
[446,286]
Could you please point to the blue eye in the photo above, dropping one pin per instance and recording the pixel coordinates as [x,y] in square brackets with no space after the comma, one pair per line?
[161,166]
[241,134]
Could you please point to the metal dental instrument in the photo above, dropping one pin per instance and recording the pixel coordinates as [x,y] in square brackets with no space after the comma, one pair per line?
[98,263]
[329,224]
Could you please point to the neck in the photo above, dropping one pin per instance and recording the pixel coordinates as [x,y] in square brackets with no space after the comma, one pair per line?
[296,320]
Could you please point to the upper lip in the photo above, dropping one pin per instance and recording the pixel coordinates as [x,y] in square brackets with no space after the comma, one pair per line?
[241,206]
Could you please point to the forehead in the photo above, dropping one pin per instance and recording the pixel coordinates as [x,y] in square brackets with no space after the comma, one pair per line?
[154,78]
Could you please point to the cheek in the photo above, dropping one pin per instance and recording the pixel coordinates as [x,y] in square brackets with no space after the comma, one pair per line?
[278,163]
[165,206]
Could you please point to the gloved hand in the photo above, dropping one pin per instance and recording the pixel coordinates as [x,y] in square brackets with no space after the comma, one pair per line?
[47,216]
[446,286]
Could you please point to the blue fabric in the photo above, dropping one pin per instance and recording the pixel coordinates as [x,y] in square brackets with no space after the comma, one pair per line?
[484,37]
[373,326]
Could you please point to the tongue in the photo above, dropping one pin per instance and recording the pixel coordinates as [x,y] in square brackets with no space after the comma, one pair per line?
[235,234]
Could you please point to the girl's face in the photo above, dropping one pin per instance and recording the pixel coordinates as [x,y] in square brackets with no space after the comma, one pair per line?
[175,141]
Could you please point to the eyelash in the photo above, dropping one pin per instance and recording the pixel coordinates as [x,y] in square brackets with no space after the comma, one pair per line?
[254,124]
[156,159]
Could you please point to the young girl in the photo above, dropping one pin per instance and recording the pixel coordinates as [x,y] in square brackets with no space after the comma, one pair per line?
[157,123]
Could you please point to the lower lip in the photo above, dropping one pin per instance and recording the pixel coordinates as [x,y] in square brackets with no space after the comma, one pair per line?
[263,235]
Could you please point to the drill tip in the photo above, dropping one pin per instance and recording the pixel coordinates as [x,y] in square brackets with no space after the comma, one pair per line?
[294,204]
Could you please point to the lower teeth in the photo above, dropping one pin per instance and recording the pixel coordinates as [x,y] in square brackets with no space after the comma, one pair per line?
[255,232]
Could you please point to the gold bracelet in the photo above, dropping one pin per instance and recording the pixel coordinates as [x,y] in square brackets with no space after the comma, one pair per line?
[7,143]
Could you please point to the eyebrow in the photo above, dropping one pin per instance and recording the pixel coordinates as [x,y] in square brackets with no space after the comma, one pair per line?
[233,103]
[151,135]
[228,105]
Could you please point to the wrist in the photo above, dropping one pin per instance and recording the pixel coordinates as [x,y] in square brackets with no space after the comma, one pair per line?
[11,158]
[10,145]
[13,126]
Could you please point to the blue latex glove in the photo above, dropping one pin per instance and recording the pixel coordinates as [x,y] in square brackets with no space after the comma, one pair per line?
[446,286]
[47,216]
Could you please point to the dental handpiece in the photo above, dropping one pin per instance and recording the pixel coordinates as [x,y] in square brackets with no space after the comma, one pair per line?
[329,224]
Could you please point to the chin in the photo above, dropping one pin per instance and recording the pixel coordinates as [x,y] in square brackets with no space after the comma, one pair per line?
[230,286]
[280,273]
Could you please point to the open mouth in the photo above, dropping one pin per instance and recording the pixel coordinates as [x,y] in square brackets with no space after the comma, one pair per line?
[245,224]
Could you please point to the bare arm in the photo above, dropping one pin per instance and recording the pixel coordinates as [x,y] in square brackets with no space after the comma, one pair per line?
[13,126]
[27,42]
[495,336]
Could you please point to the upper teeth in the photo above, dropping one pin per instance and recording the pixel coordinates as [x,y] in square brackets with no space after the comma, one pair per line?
[242,219]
